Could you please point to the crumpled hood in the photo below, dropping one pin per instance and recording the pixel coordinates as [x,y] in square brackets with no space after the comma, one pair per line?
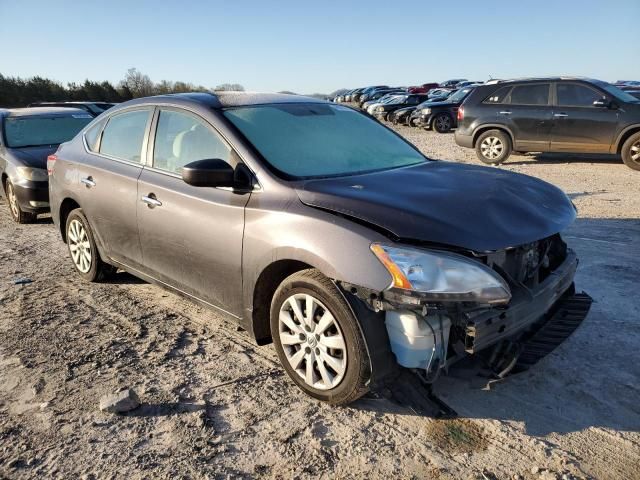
[35,157]
[466,206]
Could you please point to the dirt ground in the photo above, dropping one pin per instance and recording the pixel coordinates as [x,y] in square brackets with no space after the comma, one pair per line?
[216,406]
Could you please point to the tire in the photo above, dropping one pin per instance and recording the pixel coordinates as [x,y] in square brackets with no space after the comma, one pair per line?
[345,368]
[631,151]
[442,123]
[17,214]
[85,256]
[493,147]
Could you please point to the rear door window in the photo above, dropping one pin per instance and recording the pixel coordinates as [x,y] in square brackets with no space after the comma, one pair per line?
[576,95]
[535,94]
[124,135]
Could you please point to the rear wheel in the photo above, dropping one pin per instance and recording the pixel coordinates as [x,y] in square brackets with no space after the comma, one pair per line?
[318,340]
[442,123]
[631,151]
[18,215]
[493,147]
[82,248]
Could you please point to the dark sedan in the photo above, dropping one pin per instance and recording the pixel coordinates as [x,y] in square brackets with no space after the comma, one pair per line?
[382,111]
[27,137]
[401,116]
[93,108]
[440,116]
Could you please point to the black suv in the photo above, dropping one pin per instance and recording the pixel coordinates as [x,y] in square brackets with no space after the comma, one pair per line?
[550,115]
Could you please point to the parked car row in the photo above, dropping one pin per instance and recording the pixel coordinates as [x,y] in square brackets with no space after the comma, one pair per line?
[342,244]
[499,117]
[430,106]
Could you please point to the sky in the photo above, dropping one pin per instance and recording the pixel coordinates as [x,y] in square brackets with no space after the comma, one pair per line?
[310,47]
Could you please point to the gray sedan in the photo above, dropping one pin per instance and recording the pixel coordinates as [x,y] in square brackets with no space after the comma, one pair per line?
[315,227]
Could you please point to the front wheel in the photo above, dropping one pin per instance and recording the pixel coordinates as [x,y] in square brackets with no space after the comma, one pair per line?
[318,339]
[493,147]
[17,214]
[631,152]
[83,250]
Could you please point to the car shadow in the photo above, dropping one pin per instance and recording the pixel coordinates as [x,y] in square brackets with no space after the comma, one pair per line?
[558,158]
[590,380]
[166,409]
[124,278]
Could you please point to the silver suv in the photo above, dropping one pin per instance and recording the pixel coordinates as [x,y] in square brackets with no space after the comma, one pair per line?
[315,227]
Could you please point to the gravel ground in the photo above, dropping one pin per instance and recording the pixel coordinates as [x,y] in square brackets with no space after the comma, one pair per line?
[216,406]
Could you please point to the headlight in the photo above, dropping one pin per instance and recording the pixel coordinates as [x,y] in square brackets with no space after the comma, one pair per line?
[380,109]
[33,174]
[426,111]
[442,276]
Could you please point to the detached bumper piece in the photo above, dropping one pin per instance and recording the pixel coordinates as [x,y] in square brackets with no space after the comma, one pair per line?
[570,314]
[529,308]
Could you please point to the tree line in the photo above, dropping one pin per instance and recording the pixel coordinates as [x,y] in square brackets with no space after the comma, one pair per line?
[19,92]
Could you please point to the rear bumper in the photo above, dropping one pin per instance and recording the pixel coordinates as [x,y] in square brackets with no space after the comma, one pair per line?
[33,196]
[463,140]
[486,328]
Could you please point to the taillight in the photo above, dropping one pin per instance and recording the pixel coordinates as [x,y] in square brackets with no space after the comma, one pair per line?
[460,114]
[51,159]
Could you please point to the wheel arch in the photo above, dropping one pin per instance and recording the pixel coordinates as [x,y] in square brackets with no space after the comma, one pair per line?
[624,136]
[486,127]
[66,207]
[265,286]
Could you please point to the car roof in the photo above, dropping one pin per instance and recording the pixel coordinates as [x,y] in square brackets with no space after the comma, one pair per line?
[40,111]
[222,100]
[546,79]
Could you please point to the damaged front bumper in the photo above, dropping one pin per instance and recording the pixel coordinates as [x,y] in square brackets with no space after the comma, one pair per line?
[485,328]
[427,337]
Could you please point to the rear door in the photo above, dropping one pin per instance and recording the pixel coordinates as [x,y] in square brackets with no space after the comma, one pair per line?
[579,125]
[191,236]
[108,180]
[528,112]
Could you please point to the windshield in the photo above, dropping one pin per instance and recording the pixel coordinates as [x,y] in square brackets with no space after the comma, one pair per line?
[400,99]
[319,140]
[619,94]
[43,130]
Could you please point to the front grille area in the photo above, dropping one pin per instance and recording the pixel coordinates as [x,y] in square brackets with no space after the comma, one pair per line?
[529,264]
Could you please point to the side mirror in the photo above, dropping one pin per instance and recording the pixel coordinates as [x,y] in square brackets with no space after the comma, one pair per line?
[211,172]
[603,103]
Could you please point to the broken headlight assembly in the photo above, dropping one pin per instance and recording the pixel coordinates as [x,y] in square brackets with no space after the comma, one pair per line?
[442,276]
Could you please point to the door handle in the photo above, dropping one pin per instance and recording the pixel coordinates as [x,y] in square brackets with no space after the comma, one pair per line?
[560,115]
[151,201]
[88,182]
[505,112]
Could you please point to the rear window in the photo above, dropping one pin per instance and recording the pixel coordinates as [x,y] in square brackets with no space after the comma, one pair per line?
[499,96]
[123,136]
[43,130]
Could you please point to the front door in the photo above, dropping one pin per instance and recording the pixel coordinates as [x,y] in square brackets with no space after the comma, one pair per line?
[191,236]
[579,125]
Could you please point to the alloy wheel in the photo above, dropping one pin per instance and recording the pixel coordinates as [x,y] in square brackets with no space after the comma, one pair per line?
[443,123]
[635,152]
[491,148]
[13,200]
[79,246]
[312,341]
